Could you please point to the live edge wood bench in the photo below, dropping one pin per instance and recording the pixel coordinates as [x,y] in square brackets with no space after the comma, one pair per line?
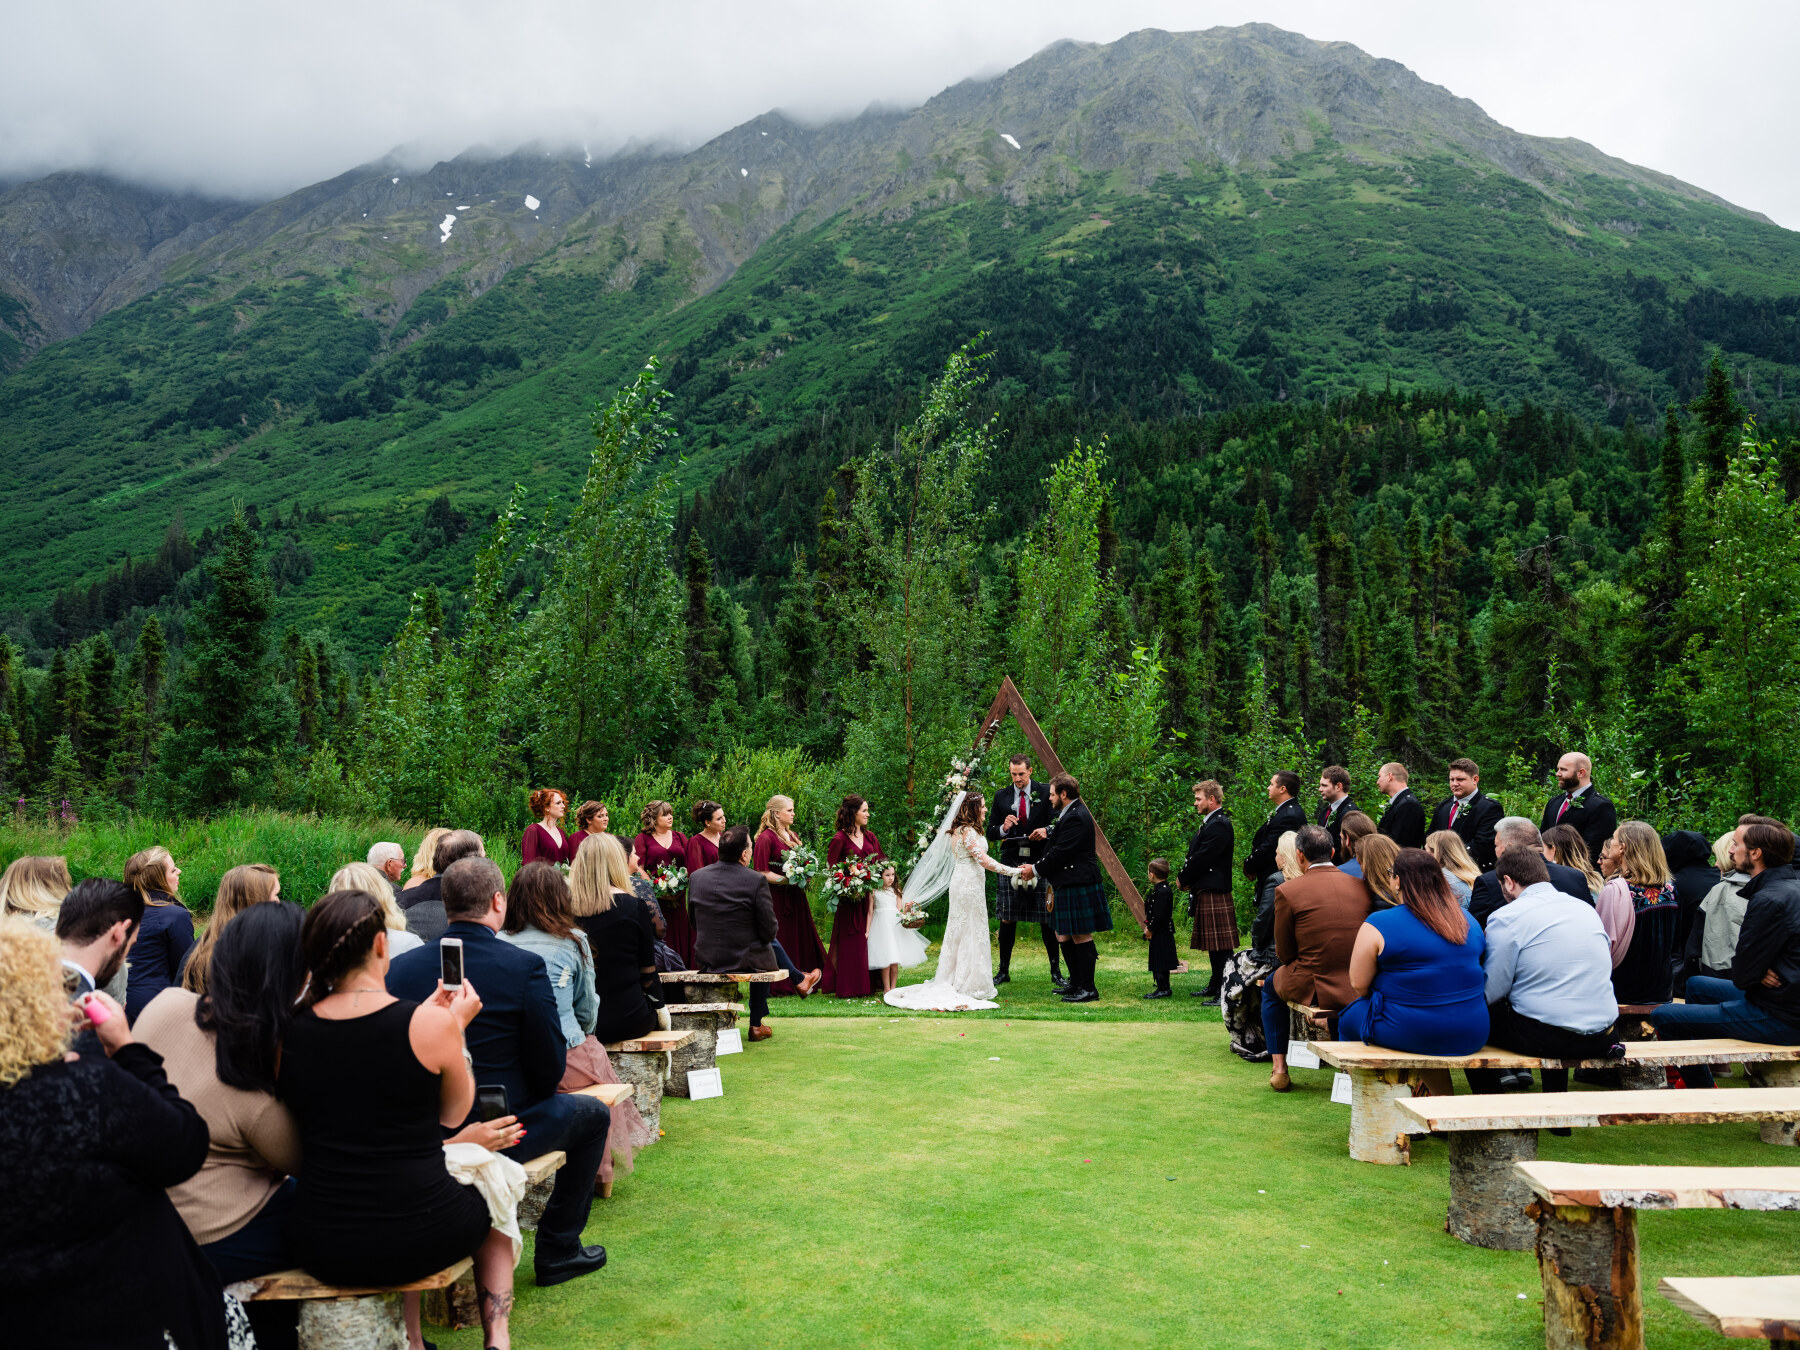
[454,1305]
[1587,1243]
[1380,1079]
[1751,1307]
[1489,1197]
[337,1318]
[708,1004]
[646,1062]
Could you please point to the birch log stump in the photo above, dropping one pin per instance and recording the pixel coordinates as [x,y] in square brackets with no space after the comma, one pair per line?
[1488,1197]
[1588,1258]
[1378,1132]
[371,1322]
[1783,1132]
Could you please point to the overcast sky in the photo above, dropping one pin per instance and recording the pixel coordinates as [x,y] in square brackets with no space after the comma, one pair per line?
[256,99]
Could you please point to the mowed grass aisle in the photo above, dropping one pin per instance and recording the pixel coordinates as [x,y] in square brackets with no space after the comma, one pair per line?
[934,1181]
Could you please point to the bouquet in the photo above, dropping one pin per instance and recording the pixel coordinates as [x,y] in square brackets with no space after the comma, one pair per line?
[912,914]
[670,879]
[800,865]
[852,879]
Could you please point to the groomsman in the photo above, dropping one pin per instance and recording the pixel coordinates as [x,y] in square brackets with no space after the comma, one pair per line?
[1581,804]
[1206,877]
[1404,819]
[1019,808]
[1471,814]
[1284,787]
[1334,805]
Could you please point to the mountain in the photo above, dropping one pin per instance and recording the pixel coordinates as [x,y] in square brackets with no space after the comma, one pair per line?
[1159,227]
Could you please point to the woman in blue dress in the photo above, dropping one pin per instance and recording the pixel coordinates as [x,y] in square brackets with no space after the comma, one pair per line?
[1417,969]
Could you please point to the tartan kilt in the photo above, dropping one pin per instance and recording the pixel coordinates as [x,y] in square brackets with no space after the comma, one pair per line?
[1081,908]
[1215,922]
[1024,905]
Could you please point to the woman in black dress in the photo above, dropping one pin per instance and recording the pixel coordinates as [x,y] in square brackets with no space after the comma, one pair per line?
[620,936]
[372,1082]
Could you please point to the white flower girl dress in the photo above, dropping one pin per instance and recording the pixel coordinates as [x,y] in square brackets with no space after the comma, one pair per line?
[890,944]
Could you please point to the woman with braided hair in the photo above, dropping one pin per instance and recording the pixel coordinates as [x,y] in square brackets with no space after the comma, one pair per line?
[372,1081]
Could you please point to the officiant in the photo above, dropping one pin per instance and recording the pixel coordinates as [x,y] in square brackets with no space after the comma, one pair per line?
[1020,807]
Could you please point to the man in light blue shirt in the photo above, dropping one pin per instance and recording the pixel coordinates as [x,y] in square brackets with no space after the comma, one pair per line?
[1549,974]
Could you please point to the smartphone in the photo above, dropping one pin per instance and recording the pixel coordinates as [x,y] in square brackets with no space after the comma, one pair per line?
[450,953]
[490,1102]
[95,1011]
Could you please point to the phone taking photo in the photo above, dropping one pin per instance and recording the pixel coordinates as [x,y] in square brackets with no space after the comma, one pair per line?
[450,953]
[490,1102]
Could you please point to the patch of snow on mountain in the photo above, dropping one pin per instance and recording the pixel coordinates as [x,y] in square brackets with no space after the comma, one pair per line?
[531,202]
[396,180]
[744,172]
[447,224]
[1009,140]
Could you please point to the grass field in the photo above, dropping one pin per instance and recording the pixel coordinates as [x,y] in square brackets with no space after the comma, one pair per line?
[929,1181]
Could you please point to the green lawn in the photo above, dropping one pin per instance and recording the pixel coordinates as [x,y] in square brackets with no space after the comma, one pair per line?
[939,1181]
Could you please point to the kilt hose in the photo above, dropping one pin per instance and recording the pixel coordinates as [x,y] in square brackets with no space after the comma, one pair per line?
[1081,908]
[1215,922]
[1022,904]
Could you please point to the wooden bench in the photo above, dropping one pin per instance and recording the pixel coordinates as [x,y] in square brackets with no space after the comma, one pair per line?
[646,1063]
[1762,1308]
[455,1305]
[612,1094]
[1587,1235]
[333,1317]
[1489,1135]
[1381,1078]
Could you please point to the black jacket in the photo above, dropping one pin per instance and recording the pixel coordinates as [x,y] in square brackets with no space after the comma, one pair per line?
[1475,825]
[734,918]
[423,907]
[516,1040]
[1069,858]
[1485,895]
[1261,862]
[1015,844]
[1159,911]
[1404,820]
[1208,863]
[1333,821]
[1694,873]
[1594,817]
[1770,940]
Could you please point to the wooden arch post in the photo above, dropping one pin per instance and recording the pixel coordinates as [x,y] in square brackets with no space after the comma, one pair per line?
[1010,700]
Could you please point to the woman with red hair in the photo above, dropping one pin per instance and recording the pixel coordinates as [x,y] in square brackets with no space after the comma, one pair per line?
[544,839]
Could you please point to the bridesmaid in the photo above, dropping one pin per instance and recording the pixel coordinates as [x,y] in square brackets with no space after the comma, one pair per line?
[590,820]
[702,851]
[794,927]
[545,840]
[658,844]
[850,925]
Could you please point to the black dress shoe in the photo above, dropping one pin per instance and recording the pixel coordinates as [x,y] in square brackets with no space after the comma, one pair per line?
[1058,983]
[583,1261]
[1081,996]
[1208,1000]
[1210,995]
[1159,993]
[1002,978]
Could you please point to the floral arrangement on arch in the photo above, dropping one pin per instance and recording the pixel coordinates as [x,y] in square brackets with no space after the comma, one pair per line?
[964,776]
[670,880]
[852,880]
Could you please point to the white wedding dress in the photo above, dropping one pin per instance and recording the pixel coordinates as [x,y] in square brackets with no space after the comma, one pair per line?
[964,978]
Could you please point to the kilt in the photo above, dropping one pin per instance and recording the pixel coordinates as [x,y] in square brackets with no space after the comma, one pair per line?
[1215,922]
[1081,908]
[1024,905]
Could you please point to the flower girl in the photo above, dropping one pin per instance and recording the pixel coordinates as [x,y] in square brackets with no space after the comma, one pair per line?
[891,945]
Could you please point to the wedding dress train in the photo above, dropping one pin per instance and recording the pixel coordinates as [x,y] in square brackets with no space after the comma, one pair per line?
[964,979]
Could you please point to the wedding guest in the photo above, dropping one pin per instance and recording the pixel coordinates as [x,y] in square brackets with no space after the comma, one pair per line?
[373,1081]
[1206,877]
[1485,895]
[1693,874]
[1375,855]
[591,818]
[1643,973]
[850,925]
[423,905]
[544,839]
[1240,997]
[239,889]
[389,859]
[1416,969]
[422,869]
[1460,871]
[92,1254]
[35,887]
[1569,849]
[1712,943]
[891,943]
[1353,828]
[735,925]
[797,933]
[362,877]
[1317,917]
[219,1047]
[166,934]
[620,938]
[1159,928]
[658,845]
[96,924]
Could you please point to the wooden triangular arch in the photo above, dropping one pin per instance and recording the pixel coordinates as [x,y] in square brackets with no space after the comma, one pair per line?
[1010,700]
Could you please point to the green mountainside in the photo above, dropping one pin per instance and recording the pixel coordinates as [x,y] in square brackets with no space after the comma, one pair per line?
[1188,224]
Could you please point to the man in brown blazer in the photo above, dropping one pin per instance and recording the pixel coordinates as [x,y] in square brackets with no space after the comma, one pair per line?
[1317,917]
[734,924]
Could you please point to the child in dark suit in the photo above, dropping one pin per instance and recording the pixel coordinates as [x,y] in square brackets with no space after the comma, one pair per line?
[1159,927]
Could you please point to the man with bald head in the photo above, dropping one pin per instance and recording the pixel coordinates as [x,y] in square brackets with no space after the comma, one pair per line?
[1581,804]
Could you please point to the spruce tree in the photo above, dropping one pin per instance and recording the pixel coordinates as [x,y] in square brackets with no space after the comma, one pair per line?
[152,658]
[102,707]
[306,696]
[796,641]
[12,748]
[1173,595]
[64,783]
[1721,421]
[431,615]
[703,635]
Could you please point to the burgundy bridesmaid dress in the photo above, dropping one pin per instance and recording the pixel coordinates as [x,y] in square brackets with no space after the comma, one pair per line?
[850,925]
[794,926]
[653,857]
[539,845]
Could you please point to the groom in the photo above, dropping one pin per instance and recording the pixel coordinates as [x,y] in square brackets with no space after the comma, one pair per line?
[1018,809]
[1078,908]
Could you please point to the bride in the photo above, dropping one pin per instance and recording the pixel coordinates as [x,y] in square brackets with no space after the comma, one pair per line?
[964,977]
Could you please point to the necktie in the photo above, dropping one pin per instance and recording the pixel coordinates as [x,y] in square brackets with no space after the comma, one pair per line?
[1564,807]
[1455,806]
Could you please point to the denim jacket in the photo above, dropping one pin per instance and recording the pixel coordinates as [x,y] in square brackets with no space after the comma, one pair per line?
[571,971]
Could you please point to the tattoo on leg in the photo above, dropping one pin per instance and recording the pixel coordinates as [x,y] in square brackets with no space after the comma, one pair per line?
[495,1308]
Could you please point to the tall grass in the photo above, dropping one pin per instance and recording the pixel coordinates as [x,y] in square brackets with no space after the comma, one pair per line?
[306,850]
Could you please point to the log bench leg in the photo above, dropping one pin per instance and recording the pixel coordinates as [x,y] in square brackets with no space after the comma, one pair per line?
[455,1307]
[531,1205]
[1589,1262]
[1488,1199]
[1779,1075]
[703,1051]
[372,1322]
[1378,1132]
[644,1071]
[1643,1077]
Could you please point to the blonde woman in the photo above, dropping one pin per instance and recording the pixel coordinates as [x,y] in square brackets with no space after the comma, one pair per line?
[94,1251]
[620,939]
[422,869]
[371,880]
[1638,904]
[1568,848]
[794,926]
[1460,870]
[1377,853]
[240,888]
[35,887]
[167,933]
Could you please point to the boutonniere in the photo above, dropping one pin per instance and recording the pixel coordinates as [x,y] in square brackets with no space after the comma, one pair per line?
[1577,803]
